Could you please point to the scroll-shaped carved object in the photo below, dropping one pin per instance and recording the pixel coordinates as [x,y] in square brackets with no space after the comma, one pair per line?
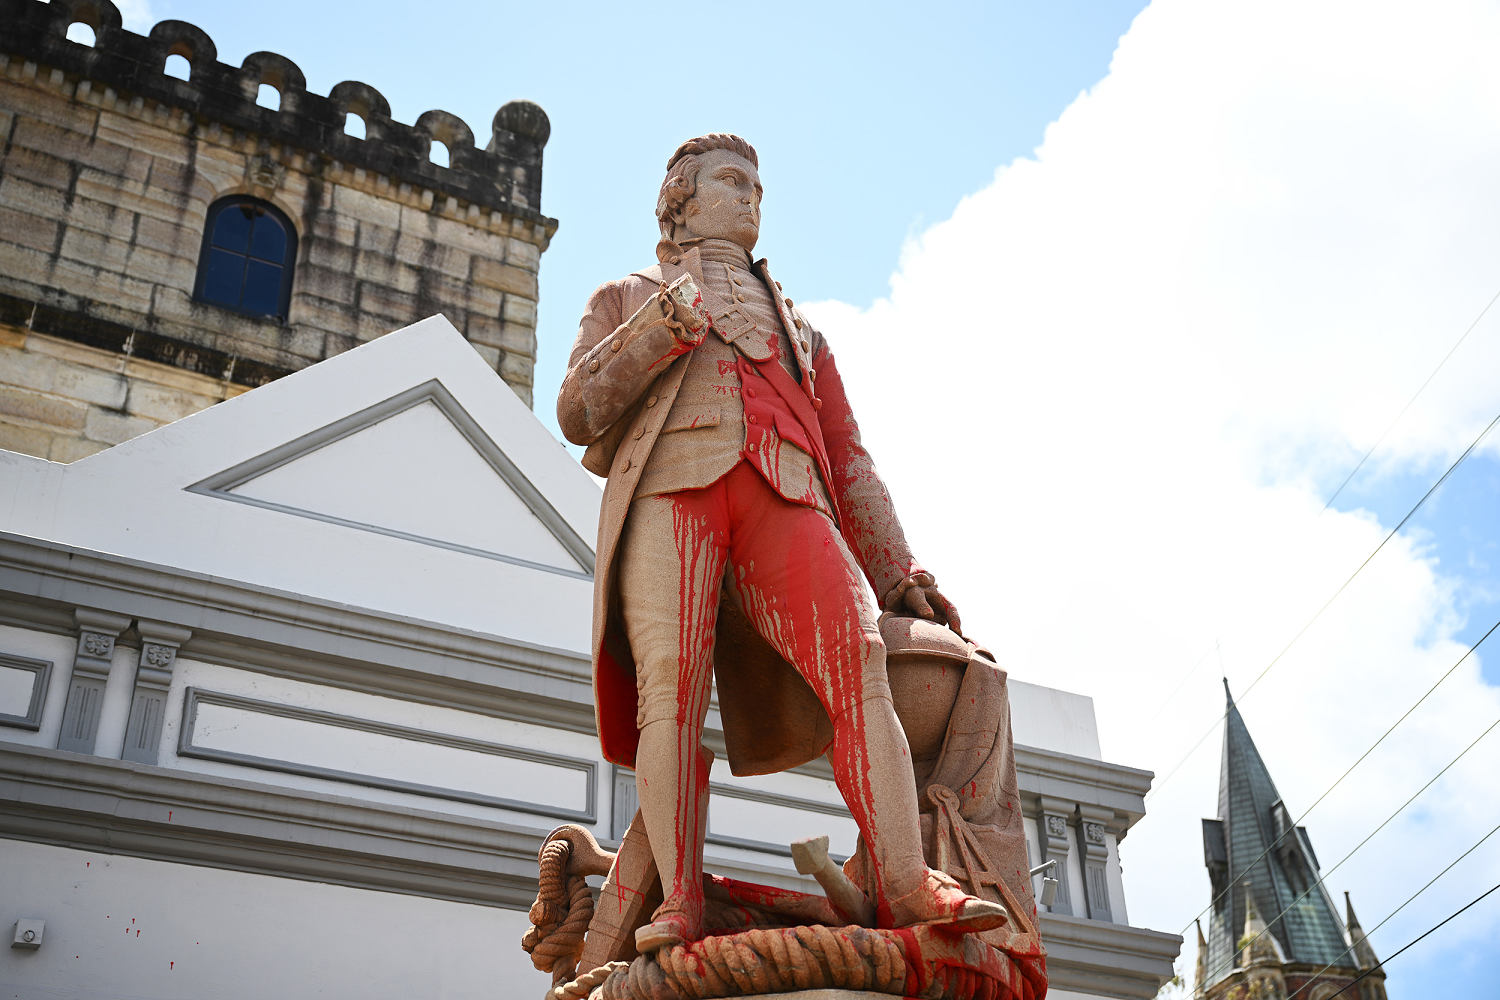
[811,858]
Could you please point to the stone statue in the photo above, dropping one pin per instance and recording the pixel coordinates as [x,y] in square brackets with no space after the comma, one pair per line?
[745,534]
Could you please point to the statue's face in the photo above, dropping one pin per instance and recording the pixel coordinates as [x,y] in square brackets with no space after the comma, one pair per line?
[726,203]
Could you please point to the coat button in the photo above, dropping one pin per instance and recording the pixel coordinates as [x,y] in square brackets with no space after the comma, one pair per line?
[614,345]
[594,365]
[788,303]
[749,393]
[805,346]
[753,419]
[651,401]
[738,297]
[638,432]
[812,374]
[626,466]
[752,447]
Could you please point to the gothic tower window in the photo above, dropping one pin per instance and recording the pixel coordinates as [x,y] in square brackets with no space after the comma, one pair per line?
[249,247]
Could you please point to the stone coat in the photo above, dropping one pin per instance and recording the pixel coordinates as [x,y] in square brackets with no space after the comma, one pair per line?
[626,369]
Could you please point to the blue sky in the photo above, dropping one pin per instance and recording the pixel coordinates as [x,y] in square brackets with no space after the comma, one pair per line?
[1118,315]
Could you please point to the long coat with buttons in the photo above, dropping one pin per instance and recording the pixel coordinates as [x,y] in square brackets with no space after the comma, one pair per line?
[624,372]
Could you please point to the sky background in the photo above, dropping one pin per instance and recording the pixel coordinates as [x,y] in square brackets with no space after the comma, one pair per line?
[1122,295]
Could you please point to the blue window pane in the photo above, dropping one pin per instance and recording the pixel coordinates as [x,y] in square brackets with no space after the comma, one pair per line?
[247,257]
[232,227]
[268,240]
[222,277]
[262,288]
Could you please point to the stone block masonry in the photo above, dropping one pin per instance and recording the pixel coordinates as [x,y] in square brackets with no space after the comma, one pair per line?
[108,169]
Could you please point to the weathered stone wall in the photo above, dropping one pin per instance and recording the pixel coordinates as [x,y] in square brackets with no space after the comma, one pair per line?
[107,171]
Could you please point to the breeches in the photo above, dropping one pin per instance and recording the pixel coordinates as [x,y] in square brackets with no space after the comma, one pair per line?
[786,565]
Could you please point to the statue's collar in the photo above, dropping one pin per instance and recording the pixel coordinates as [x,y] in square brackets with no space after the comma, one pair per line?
[721,252]
[691,262]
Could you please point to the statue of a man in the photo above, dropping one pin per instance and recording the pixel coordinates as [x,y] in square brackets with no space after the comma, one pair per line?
[743,529]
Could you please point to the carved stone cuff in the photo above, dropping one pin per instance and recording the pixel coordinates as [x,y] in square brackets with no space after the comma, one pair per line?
[685,294]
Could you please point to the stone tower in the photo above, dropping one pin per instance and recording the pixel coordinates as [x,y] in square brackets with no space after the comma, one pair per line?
[1273,932]
[174,231]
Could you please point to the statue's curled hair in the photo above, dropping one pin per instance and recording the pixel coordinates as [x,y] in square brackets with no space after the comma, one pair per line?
[682,180]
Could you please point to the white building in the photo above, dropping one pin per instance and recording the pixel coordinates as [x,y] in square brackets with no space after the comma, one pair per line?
[292,688]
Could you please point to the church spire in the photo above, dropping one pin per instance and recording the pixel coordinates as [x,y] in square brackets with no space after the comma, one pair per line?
[1200,969]
[1373,988]
[1364,954]
[1261,865]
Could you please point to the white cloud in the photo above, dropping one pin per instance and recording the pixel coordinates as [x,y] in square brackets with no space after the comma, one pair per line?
[1112,392]
[137,15]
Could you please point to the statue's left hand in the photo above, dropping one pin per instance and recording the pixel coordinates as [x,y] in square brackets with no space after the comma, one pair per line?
[919,597]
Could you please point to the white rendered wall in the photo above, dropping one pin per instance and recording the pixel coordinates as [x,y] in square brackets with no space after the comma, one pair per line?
[120,927]
[1050,719]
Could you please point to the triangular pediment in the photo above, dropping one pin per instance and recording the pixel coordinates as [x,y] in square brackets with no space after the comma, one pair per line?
[403,476]
[415,466]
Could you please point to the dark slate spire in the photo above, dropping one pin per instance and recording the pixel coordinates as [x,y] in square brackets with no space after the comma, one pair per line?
[1253,822]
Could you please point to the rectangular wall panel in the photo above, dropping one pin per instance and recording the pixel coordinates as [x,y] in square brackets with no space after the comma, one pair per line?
[295,740]
[23,690]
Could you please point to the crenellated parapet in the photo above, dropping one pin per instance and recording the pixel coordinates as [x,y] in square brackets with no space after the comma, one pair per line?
[506,174]
[170,236]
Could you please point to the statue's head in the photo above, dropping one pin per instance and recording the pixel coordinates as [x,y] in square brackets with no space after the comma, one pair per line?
[712,189]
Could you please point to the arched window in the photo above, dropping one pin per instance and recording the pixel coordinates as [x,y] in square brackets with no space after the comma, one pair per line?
[249,247]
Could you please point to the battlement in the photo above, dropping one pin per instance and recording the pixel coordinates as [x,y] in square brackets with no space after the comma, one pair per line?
[118,165]
[506,175]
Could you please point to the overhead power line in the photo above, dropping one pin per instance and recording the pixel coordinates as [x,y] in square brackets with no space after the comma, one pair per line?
[1398,909]
[1326,604]
[1390,427]
[1419,937]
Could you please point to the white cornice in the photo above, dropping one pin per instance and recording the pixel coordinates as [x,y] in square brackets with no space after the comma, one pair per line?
[1086,782]
[1107,960]
[82,801]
